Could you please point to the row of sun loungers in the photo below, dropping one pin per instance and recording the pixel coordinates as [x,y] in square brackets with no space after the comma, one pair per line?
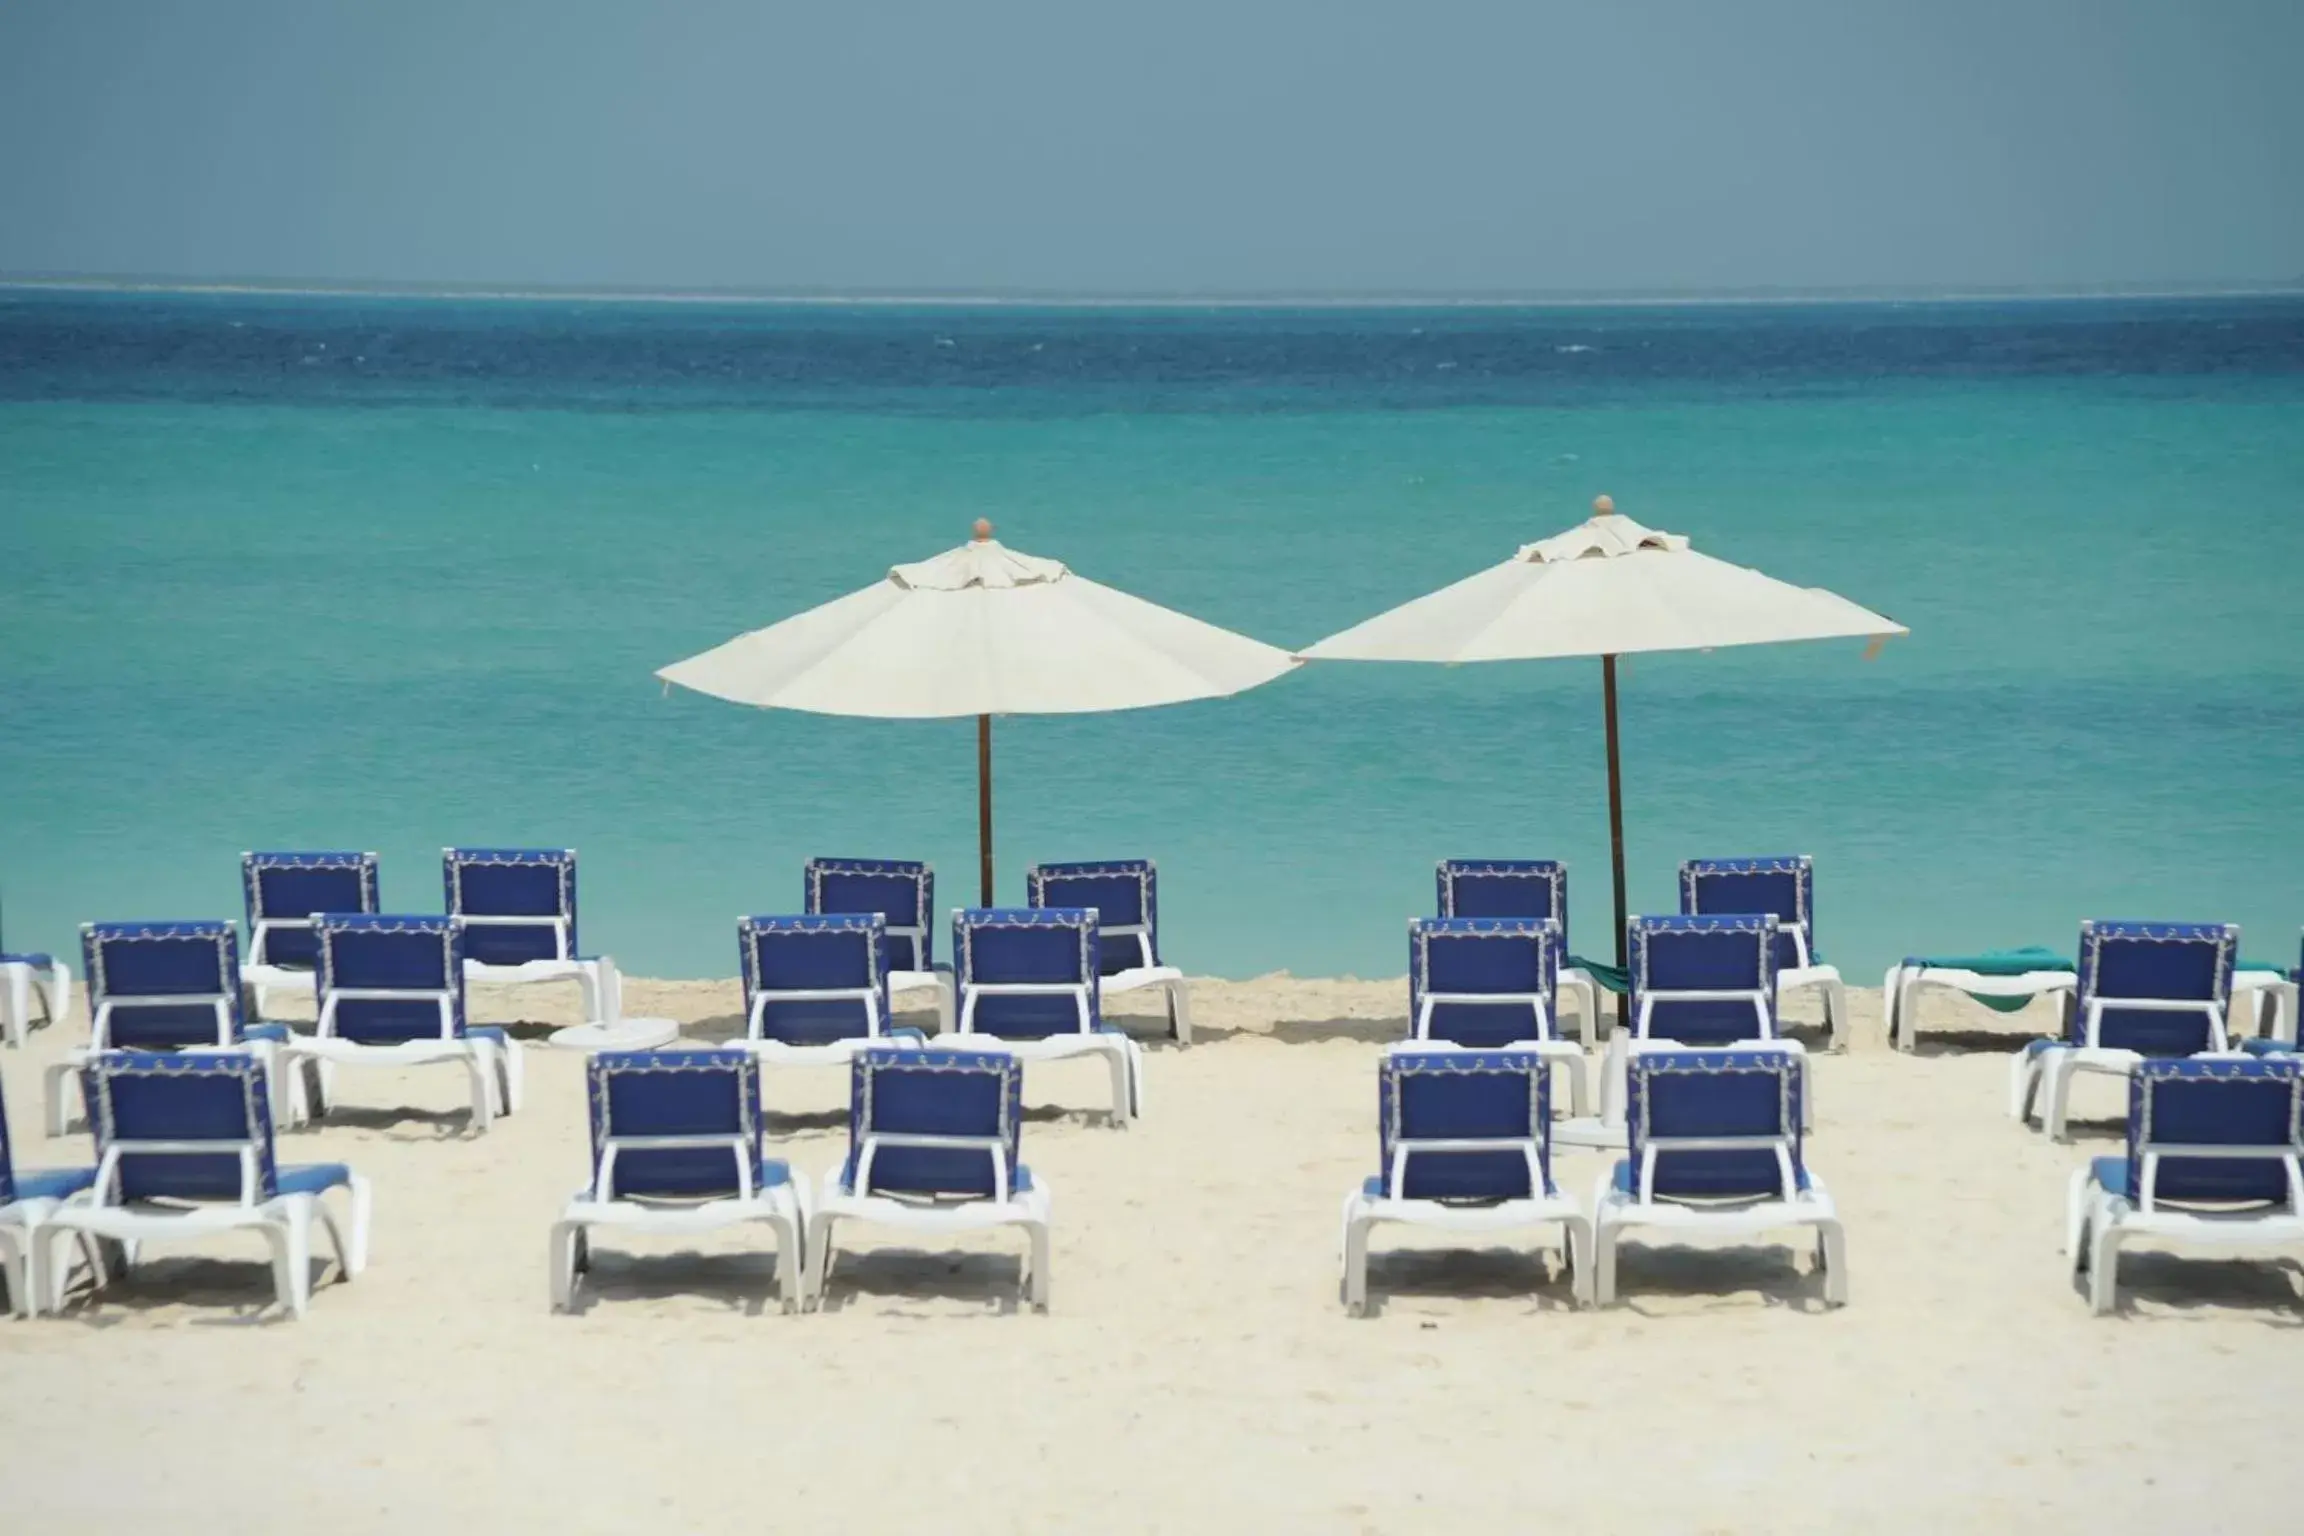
[1702,1093]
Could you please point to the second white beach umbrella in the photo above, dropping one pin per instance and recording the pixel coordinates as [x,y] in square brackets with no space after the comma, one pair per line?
[981,630]
[1607,588]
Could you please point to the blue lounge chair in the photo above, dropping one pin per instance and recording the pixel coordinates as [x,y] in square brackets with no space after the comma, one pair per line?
[1491,983]
[2145,990]
[2213,1158]
[1522,888]
[518,908]
[1125,895]
[1785,888]
[184,1149]
[903,892]
[391,992]
[1465,1138]
[281,892]
[1714,1148]
[160,987]
[24,978]
[1697,980]
[678,1146]
[28,1197]
[932,1147]
[815,988]
[1029,984]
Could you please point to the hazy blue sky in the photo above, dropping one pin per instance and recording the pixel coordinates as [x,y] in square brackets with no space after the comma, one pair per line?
[1304,145]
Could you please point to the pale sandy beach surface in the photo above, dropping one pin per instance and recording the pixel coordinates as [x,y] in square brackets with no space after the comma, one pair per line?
[1196,1371]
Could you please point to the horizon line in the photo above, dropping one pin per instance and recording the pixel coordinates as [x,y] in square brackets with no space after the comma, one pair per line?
[1121,299]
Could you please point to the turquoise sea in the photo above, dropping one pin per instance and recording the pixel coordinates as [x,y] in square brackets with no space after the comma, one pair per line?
[391,574]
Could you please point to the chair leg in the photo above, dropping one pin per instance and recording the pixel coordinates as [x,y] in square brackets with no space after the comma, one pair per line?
[1356,1229]
[1836,1016]
[16,1009]
[2076,1218]
[1180,1012]
[1832,1257]
[791,1262]
[562,1257]
[818,1253]
[515,1075]
[21,1270]
[2058,1089]
[1578,1234]
[1039,1279]
[2103,1283]
[1604,1237]
[363,1213]
[56,1083]
[480,1067]
[291,1240]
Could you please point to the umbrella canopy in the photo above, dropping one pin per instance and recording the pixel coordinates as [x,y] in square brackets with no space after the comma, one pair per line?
[1607,587]
[981,630]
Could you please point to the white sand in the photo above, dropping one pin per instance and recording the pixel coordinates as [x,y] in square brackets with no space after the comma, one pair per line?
[1196,1370]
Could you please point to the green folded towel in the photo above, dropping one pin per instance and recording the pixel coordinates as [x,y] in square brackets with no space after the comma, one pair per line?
[2000,962]
[1612,978]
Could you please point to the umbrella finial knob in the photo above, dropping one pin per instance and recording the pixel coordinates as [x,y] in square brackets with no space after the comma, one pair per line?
[983,530]
[1603,506]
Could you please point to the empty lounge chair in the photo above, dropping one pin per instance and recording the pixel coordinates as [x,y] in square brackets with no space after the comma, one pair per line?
[1523,888]
[1785,888]
[25,978]
[518,907]
[281,892]
[1491,982]
[1714,1147]
[2215,1157]
[1125,894]
[28,1197]
[677,1146]
[1465,1142]
[903,892]
[815,988]
[932,1148]
[1029,983]
[184,1149]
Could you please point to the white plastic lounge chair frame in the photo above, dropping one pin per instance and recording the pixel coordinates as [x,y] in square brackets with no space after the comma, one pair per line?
[1722,885]
[1901,987]
[1382,1199]
[903,892]
[759,1190]
[491,1059]
[1089,1037]
[596,977]
[22,979]
[1010,1195]
[1125,886]
[2113,1199]
[1538,941]
[109,948]
[1799,1198]
[1502,888]
[843,947]
[28,1197]
[262,877]
[2044,1069]
[281,1203]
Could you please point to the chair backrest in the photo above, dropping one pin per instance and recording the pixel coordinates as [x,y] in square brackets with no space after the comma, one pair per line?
[518,904]
[2216,1131]
[162,986]
[813,980]
[1703,980]
[180,1127]
[1483,981]
[283,890]
[385,979]
[902,891]
[1715,1124]
[1125,894]
[2159,989]
[1505,888]
[1025,973]
[934,1122]
[1783,886]
[674,1123]
[1464,1125]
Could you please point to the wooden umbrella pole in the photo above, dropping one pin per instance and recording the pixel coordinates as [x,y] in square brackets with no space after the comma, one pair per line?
[984,805]
[1615,823]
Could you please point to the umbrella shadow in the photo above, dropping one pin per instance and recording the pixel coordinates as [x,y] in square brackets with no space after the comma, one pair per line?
[395,1123]
[1970,1042]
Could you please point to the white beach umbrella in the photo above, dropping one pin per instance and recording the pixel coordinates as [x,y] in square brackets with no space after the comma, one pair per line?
[1605,588]
[981,630]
